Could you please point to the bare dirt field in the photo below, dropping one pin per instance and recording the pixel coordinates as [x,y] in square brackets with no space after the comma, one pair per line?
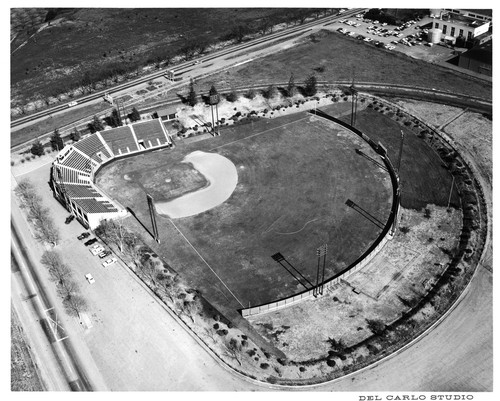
[404,269]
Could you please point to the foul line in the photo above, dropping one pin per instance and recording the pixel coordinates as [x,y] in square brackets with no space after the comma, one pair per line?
[204,261]
[260,133]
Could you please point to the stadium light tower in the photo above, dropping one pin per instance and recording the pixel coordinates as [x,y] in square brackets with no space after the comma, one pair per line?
[354,103]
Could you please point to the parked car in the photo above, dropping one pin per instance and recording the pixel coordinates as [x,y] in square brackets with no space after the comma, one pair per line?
[105,253]
[73,103]
[96,250]
[69,219]
[91,241]
[83,236]
[89,278]
[109,262]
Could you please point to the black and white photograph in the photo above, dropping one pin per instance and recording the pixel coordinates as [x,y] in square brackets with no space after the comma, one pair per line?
[251,197]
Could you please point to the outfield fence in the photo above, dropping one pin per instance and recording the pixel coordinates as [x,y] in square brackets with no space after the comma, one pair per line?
[386,234]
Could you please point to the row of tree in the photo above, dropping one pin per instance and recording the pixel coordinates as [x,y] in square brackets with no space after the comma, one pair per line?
[310,88]
[74,303]
[38,215]
[151,270]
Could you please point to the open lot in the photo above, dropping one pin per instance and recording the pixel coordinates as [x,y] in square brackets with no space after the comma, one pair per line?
[351,57]
[294,175]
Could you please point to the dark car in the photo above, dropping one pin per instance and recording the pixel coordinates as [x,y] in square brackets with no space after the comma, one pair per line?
[103,254]
[91,241]
[69,219]
[83,236]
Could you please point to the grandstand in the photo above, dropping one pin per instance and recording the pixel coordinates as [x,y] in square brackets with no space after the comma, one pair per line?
[150,134]
[76,164]
[121,140]
[93,147]
[77,161]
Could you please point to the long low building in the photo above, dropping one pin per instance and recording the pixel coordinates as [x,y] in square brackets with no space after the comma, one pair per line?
[74,169]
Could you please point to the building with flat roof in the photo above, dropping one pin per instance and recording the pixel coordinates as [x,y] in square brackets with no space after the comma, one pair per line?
[457,25]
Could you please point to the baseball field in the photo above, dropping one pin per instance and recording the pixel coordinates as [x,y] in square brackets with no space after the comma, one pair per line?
[295,174]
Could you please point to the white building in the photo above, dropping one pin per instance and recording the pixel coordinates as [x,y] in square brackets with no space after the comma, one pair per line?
[455,25]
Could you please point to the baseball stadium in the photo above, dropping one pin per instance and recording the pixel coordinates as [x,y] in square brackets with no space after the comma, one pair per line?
[266,214]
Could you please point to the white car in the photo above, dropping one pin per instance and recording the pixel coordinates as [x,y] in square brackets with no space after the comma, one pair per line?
[73,103]
[367,39]
[97,250]
[109,262]
[89,278]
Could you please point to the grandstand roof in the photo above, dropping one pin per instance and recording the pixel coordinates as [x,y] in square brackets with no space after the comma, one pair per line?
[94,206]
[81,191]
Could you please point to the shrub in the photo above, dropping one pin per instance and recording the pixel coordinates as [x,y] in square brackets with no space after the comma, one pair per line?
[222,332]
[331,363]
[251,352]
[427,213]
[244,337]
[407,123]
[302,369]
[22,160]
[264,365]
[404,229]
[216,326]
[271,379]
[238,114]
[12,163]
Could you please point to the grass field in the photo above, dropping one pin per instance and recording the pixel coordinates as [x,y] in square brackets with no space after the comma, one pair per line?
[294,175]
[424,180]
[340,57]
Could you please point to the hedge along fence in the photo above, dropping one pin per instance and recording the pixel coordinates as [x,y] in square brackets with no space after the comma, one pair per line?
[386,234]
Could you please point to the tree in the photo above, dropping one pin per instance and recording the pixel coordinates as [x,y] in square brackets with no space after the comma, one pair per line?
[112,231]
[291,89]
[232,349]
[169,286]
[376,326]
[232,96]
[75,135]
[192,97]
[193,307]
[37,148]
[115,119]
[47,231]
[310,86]
[132,247]
[67,288]
[75,304]
[134,115]
[271,92]
[56,141]
[95,125]
[150,270]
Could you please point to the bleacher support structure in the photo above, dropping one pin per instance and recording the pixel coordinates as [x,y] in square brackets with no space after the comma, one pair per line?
[76,165]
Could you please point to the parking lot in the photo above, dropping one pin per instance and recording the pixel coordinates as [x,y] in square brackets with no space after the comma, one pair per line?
[409,38]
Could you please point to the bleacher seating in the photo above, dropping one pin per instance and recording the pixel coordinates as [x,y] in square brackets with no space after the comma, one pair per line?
[77,161]
[120,140]
[151,133]
[94,206]
[90,146]
[70,176]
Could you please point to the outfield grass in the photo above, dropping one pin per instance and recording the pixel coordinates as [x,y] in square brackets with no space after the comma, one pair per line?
[341,57]
[424,179]
[295,174]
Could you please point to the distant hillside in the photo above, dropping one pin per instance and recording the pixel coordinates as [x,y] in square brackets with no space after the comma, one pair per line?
[73,42]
